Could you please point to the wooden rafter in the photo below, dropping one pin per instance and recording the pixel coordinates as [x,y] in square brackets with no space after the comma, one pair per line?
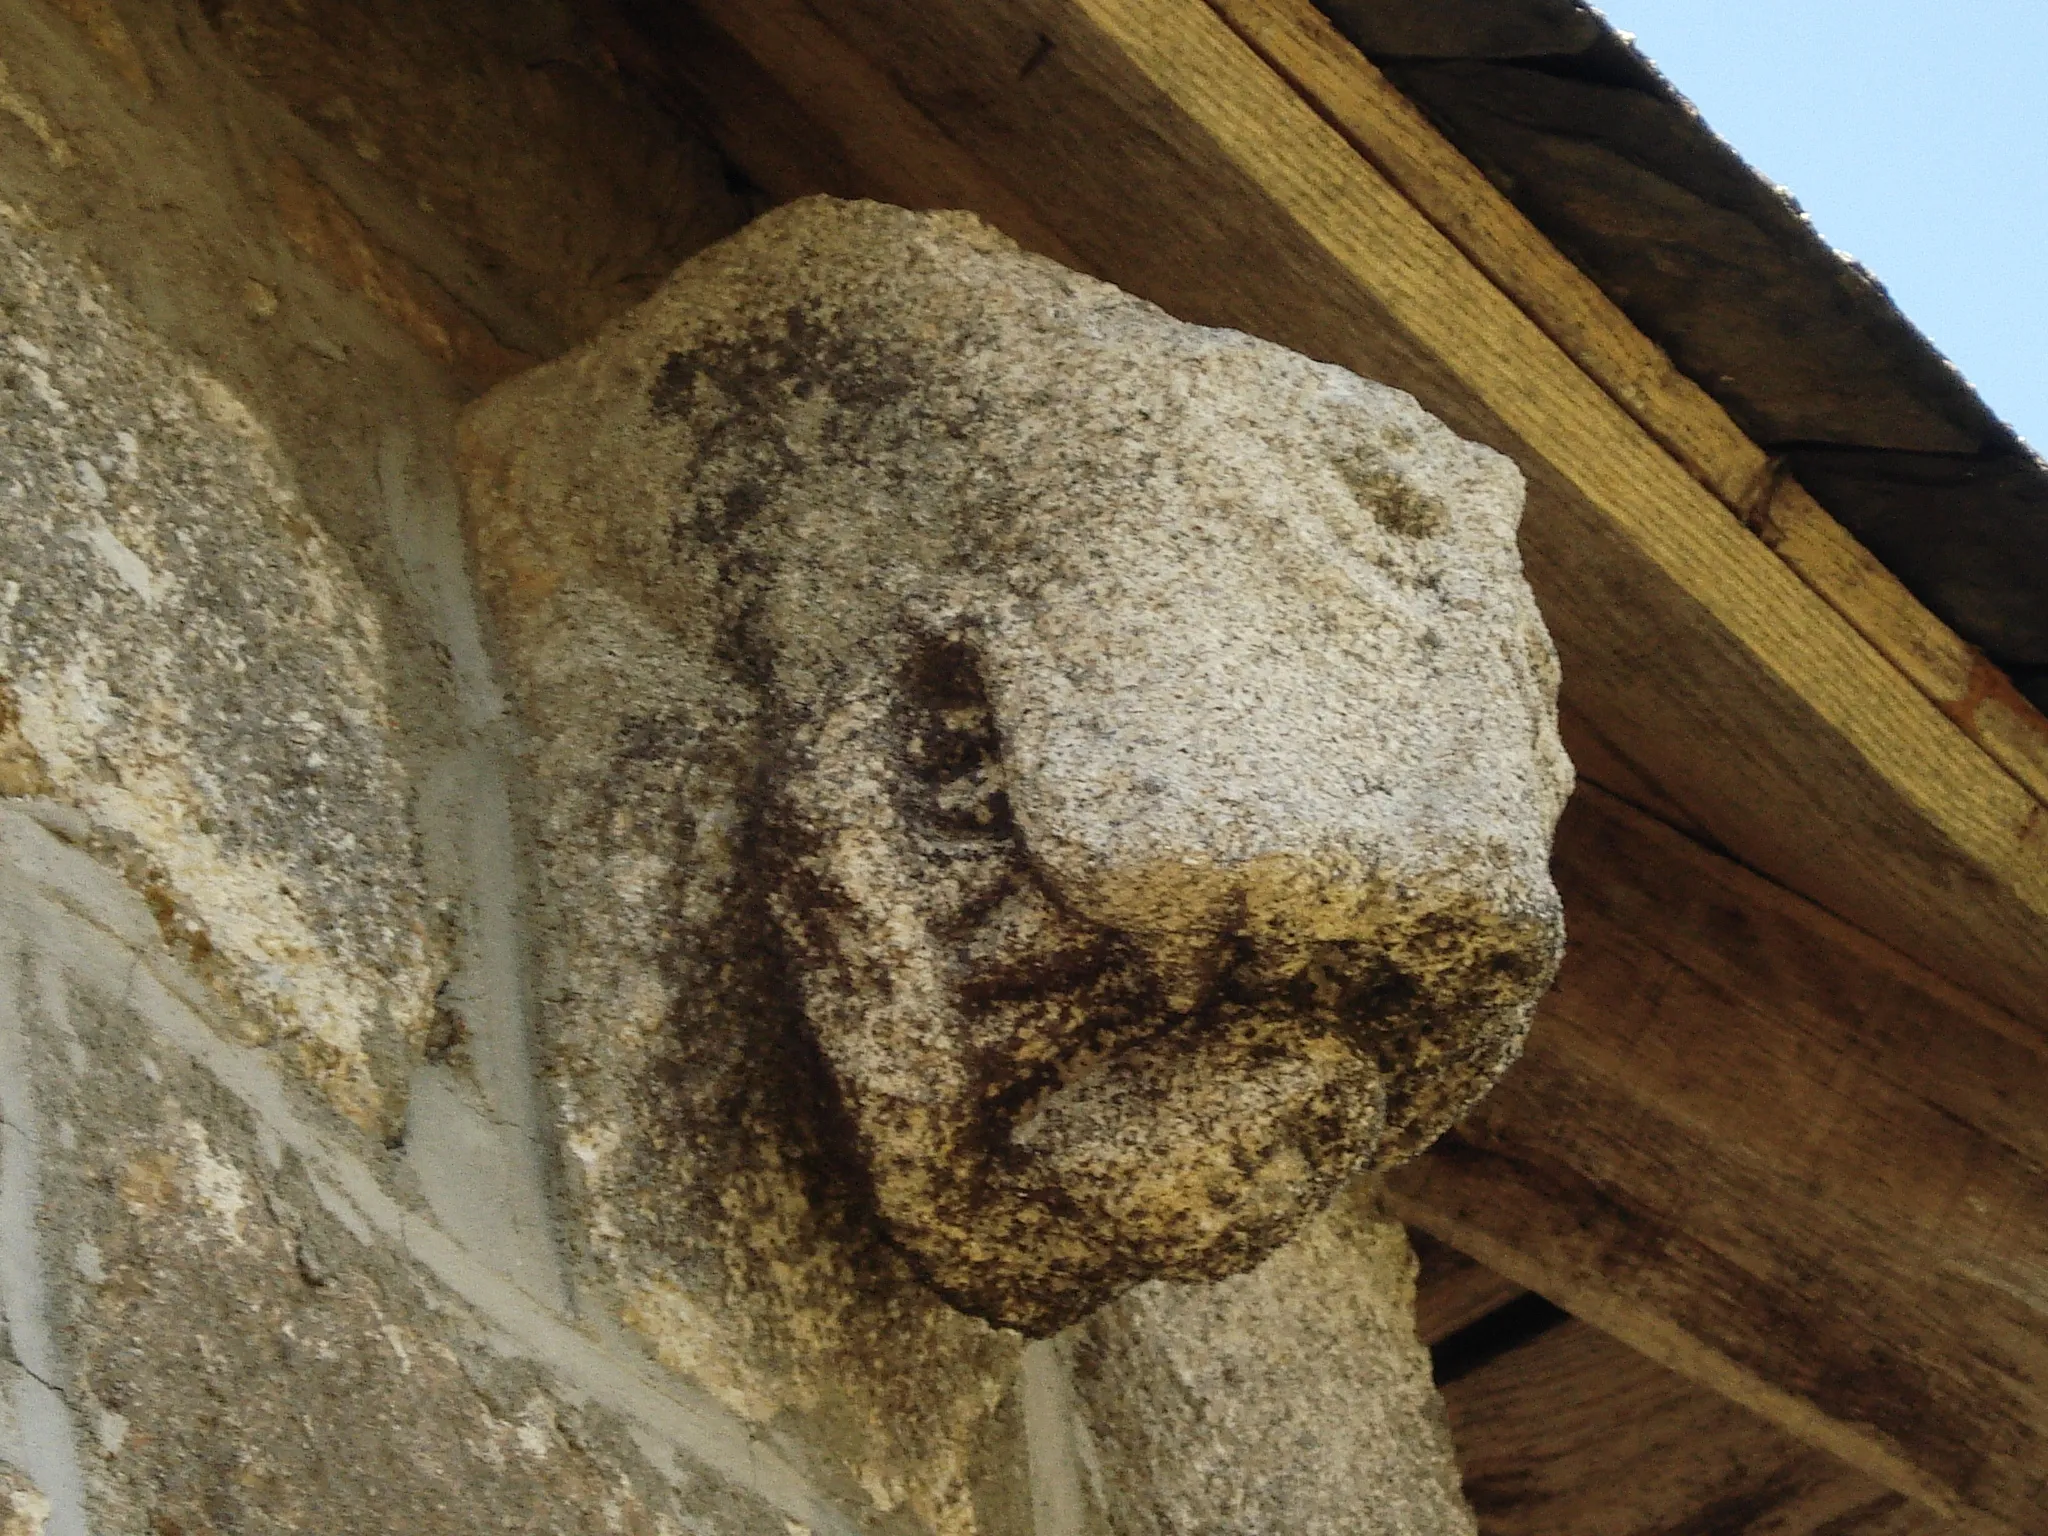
[1391,132]
[1573,1434]
[1780,1159]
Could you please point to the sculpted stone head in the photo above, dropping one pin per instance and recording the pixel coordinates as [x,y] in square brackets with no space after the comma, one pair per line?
[1145,734]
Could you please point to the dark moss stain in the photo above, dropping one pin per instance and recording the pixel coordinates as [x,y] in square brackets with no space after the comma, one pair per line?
[738,1094]
[862,399]
[760,375]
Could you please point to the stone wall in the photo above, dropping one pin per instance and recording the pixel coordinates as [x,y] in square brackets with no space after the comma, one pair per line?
[282,1235]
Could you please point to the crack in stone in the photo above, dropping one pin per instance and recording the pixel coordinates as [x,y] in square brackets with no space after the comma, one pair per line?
[36,1376]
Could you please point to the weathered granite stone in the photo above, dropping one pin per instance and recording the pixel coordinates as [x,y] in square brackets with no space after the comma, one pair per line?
[874,1407]
[1291,1401]
[187,658]
[246,1362]
[1099,770]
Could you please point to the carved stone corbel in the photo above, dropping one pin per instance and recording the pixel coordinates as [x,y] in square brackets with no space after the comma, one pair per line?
[1123,752]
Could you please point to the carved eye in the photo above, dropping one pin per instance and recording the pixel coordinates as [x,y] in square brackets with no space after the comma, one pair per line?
[951,743]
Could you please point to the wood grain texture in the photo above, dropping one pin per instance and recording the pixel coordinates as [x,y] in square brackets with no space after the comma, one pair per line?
[1574,1434]
[1171,159]
[698,73]
[897,153]
[1780,1159]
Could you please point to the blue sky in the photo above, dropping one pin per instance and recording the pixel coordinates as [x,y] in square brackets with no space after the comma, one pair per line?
[1915,133]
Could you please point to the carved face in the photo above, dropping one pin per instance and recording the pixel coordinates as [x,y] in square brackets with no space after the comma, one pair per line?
[1156,753]
[1139,904]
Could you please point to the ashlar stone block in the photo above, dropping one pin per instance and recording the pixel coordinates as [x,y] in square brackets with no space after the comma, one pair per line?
[192,664]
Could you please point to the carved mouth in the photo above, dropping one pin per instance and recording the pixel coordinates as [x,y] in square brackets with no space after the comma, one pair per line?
[1274,1064]
[1203,1144]
[1084,1035]
[1061,1009]
[1120,1106]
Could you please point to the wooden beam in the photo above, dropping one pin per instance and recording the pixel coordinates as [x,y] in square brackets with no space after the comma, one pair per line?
[879,145]
[1574,1434]
[1171,158]
[701,76]
[792,155]
[1779,1158]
